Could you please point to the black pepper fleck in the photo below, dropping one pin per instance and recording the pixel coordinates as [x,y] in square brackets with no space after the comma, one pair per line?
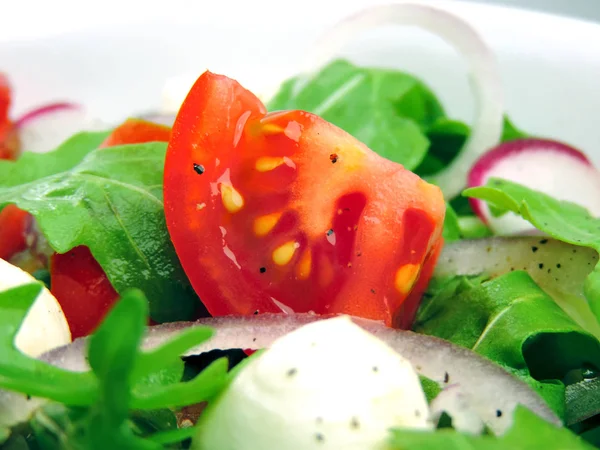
[333,158]
[358,253]
[256,312]
[262,269]
[293,371]
[28,397]
[354,423]
[198,168]
[253,339]
[541,265]
[329,232]
[375,369]
[446,377]
[372,291]
[534,249]
[319,437]
[498,413]
[558,266]
[544,241]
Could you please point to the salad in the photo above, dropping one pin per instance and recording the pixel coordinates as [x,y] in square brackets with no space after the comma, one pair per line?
[337,265]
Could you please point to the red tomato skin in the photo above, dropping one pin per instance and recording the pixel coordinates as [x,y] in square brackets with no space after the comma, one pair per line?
[82,289]
[77,280]
[137,131]
[13,226]
[9,139]
[362,218]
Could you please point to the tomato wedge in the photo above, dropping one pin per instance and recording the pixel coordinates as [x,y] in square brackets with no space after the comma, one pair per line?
[13,226]
[137,131]
[9,139]
[77,280]
[286,212]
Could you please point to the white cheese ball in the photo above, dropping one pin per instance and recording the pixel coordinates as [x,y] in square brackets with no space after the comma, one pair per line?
[45,327]
[327,385]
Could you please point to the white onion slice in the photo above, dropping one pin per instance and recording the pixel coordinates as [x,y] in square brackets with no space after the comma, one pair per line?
[486,386]
[485,77]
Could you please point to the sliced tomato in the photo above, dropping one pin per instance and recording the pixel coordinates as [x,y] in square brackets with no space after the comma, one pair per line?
[77,280]
[286,212]
[9,139]
[82,289]
[136,131]
[13,225]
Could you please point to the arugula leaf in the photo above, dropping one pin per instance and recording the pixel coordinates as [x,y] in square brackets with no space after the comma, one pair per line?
[583,400]
[447,137]
[430,388]
[527,432]
[112,351]
[471,227]
[562,220]
[21,373]
[32,166]
[98,409]
[385,109]
[510,132]
[112,203]
[512,321]
[451,231]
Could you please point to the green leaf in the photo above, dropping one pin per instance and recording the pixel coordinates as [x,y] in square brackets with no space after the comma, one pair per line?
[583,400]
[385,109]
[510,132]
[113,348]
[4,434]
[149,423]
[33,166]
[430,388]
[471,227]
[562,220]
[512,321]
[112,203]
[528,432]
[447,137]
[28,375]
[451,231]
[121,403]
[203,387]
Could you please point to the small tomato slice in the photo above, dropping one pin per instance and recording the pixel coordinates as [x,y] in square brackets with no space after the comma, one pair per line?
[9,139]
[82,289]
[13,225]
[137,131]
[77,280]
[286,212]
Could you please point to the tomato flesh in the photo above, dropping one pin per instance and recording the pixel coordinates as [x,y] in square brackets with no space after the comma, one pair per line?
[13,226]
[137,131]
[77,280]
[9,139]
[82,289]
[286,212]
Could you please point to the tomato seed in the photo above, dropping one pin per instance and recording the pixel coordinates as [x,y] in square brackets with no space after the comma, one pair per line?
[198,168]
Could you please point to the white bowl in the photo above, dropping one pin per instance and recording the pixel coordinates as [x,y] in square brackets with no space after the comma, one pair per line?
[115,58]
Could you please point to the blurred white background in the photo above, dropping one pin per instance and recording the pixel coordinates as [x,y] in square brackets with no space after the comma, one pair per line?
[581,9]
[26,19]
